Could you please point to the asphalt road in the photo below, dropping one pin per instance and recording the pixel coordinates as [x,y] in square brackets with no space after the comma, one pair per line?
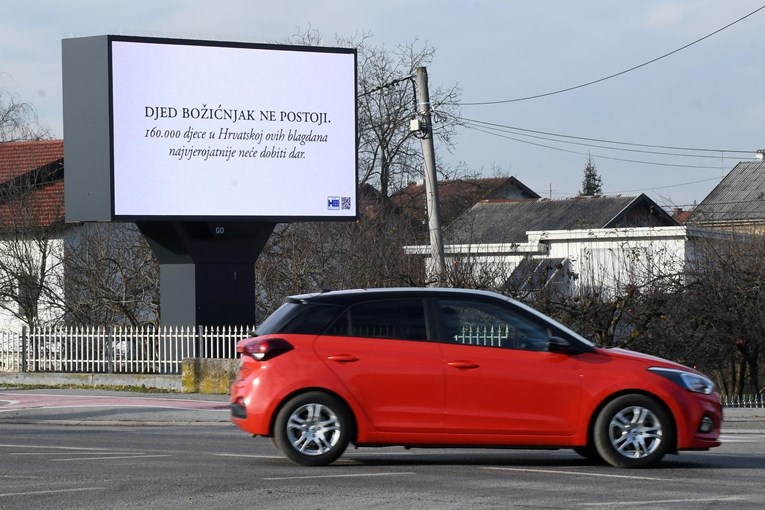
[173,452]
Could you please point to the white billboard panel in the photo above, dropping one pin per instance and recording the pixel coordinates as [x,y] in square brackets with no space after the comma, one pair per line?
[211,130]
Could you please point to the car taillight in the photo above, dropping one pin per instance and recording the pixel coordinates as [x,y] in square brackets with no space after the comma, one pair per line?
[263,349]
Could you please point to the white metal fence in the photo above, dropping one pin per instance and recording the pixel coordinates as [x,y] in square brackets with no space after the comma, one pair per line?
[116,349]
[746,401]
[149,350]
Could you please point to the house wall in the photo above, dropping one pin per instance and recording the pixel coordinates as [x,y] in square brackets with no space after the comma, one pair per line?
[611,259]
[607,259]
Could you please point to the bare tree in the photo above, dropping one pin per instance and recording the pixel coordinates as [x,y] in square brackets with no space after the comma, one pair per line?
[18,120]
[307,257]
[31,252]
[390,155]
[112,276]
[30,236]
[722,310]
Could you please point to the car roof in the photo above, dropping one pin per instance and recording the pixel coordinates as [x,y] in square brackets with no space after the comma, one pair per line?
[352,295]
[349,296]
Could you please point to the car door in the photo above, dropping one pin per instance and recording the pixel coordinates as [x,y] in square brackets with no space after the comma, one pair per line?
[499,377]
[380,352]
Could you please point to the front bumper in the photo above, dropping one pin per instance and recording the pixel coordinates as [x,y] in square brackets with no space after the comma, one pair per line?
[699,409]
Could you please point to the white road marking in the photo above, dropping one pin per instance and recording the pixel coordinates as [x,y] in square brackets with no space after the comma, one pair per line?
[39,447]
[248,456]
[111,458]
[666,501]
[338,476]
[53,491]
[74,453]
[574,473]
[377,454]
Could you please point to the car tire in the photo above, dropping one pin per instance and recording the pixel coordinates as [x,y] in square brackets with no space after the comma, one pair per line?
[633,431]
[313,429]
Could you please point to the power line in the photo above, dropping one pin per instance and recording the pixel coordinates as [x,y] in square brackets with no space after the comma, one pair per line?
[679,185]
[660,153]
[614,142]
[594,155]
[387,85]
[593,82]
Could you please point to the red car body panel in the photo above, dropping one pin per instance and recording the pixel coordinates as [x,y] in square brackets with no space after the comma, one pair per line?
[500,391]
[398,383]
[441,394]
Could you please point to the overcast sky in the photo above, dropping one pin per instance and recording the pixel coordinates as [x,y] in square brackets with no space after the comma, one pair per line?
[707,96]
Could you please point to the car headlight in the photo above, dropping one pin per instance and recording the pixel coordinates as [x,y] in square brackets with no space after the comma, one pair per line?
[692,382]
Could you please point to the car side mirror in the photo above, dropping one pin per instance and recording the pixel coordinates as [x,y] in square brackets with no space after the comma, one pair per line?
[561,346]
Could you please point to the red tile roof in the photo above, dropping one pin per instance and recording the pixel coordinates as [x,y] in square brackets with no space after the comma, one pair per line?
[18,158]
[43,206]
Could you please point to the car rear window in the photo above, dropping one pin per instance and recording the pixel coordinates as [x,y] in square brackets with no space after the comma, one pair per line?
[299,318]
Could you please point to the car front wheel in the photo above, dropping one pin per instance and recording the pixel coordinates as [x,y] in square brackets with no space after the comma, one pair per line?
[633,431]
[313,429]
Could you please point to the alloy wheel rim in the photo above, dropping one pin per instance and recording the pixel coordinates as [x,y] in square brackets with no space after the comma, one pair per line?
[313,429]
[635,432]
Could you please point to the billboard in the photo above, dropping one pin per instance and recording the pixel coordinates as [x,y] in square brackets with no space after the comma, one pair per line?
[209,130]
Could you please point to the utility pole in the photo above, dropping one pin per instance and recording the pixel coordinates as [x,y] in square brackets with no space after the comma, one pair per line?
[431,184]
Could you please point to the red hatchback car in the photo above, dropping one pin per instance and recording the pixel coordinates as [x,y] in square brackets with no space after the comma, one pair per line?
[450,367]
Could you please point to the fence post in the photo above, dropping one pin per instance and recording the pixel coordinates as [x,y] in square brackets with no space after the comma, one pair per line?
[110,350]
[35,348]
[23,348]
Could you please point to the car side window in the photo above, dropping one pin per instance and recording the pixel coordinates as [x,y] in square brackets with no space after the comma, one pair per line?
[400,319]
[486,324]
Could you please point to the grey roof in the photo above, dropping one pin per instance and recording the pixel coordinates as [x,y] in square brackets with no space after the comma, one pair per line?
[739,198]
[508,221]
[534,274]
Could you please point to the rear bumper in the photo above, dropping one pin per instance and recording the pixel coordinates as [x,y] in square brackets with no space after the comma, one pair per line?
[252,404]
[238,410]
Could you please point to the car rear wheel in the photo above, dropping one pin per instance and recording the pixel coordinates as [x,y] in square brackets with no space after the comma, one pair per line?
[313,429]
[633,431]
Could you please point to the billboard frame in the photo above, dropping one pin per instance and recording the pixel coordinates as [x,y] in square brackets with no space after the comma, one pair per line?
[88,80]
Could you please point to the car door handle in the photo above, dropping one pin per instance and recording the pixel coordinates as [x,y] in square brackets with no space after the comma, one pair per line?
[464,365]
[342,358]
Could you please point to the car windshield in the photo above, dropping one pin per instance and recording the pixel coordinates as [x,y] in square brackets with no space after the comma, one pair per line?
[556,324]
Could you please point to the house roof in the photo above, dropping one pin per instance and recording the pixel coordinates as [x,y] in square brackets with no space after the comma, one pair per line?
[19,158]
[43,207]
[739,198]
[503,221]
[457,195]
[31,183]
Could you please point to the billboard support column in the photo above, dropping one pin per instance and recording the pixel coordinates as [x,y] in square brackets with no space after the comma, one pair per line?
[207,270]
